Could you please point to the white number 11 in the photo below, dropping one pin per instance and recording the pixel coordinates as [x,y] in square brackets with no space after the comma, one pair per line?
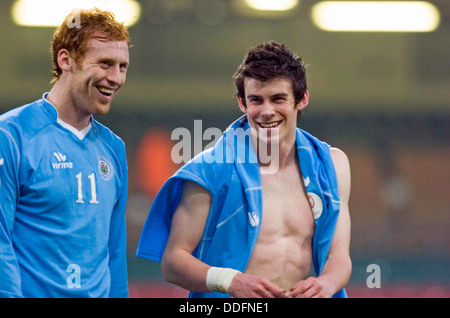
[93,189]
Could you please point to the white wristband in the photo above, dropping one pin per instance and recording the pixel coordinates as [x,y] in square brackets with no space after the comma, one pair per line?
[219,279]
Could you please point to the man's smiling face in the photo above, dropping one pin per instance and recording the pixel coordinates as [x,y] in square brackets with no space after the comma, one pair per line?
[270,106]
[98,75]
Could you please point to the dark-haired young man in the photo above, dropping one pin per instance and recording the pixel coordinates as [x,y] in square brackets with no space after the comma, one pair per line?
[258,228]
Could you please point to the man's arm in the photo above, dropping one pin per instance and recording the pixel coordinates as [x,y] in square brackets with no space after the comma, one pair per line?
[10,284]
[117,244]
[180,267]
[338,267]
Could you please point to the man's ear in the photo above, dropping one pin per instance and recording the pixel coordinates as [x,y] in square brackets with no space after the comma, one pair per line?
[241,105]
[65,62]
[303,102]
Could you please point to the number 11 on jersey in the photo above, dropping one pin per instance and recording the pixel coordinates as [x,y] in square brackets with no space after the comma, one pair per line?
[93,189]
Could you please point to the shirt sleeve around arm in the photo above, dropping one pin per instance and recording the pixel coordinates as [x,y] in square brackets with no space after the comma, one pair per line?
[118,239]
[10,284]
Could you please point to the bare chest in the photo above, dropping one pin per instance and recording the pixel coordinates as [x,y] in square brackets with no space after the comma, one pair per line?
[283,251]
[286,209]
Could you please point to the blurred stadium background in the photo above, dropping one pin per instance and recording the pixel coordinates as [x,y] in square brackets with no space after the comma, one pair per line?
[382,97]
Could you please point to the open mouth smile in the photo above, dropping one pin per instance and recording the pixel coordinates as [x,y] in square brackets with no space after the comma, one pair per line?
[270,125]
[105,91]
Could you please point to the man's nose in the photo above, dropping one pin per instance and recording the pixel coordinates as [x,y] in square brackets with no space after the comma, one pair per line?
[115,76]
[267,109]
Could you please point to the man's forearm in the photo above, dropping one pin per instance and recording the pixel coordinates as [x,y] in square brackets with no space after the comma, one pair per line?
[184,270]
[336,273]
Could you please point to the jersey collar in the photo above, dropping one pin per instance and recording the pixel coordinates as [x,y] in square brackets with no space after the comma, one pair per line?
[51,109]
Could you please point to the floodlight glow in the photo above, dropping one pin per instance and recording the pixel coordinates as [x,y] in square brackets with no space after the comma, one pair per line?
[50,13]
[272,5]
[376,16]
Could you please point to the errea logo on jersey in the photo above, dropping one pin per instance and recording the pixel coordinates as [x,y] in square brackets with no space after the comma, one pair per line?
[62,161]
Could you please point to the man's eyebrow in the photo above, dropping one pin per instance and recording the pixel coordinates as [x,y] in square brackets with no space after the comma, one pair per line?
[284,95]
[280,95]
[253,96]
[111,60]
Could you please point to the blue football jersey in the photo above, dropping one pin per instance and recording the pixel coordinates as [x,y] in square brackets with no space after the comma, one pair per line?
[62,207]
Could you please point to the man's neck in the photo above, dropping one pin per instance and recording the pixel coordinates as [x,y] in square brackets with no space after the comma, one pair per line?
[276,157]
[67,112]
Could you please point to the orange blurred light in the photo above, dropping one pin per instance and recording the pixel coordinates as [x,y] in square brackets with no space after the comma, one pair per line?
[154,162]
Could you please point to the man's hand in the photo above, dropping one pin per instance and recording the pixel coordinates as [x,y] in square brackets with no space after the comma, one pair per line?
[249,286]
[312,287]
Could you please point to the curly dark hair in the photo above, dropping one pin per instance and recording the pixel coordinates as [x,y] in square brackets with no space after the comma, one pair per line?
[268,61]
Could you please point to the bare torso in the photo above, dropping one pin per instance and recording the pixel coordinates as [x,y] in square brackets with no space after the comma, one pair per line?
[283,252]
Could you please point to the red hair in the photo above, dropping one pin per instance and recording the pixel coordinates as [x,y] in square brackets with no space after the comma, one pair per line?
[73,37]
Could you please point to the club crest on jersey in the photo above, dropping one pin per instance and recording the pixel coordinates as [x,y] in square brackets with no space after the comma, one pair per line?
[105,168]
[316,204]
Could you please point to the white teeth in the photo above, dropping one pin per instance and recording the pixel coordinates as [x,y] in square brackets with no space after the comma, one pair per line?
[269,125]
[105,90]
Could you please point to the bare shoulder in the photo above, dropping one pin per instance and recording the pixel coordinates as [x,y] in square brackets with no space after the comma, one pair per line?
[338,155]
[191,188]
[342,167]
[340,160]
[194,196]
